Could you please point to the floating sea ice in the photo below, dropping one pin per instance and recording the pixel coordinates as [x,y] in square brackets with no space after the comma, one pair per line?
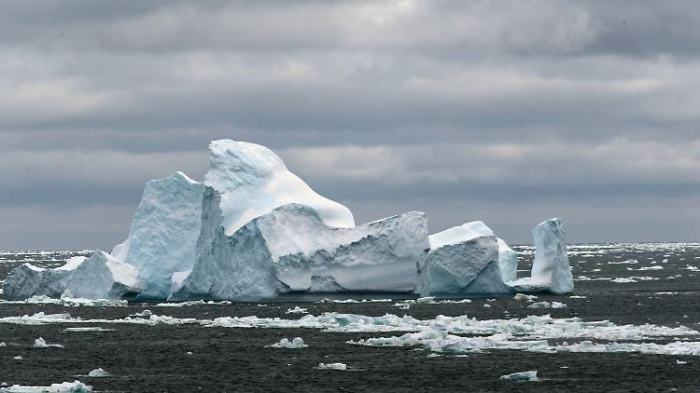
[98,373]
[87,329]
[41,343]
[678,361]
[544,305]
[65,387]
[522,296]
[333,366]
[296,343]
[524,376]
[297,310]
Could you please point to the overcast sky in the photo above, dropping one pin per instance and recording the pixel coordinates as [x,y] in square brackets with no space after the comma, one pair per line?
[510,112]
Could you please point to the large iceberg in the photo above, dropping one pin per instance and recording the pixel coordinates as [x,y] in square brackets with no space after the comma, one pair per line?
[254,230]
[550,269]
[164,232]
[252,180]
[469,260]
[291,249]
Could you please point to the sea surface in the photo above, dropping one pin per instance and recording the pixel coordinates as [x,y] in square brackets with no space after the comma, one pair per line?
[632,325]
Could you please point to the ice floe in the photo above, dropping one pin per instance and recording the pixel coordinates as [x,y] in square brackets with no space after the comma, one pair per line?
[65,387]
[296,343]
[523,376]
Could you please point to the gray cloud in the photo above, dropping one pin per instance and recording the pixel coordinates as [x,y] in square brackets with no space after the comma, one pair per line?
[509,112]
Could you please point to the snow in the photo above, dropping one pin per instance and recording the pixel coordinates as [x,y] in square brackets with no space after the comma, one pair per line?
[65,387]
[333,366]
[98,373]
[296,343]
[290,248]
[164,232]
[469,267]
[523,376]
[459,234]
[550,269]
[103,277]
[254,181]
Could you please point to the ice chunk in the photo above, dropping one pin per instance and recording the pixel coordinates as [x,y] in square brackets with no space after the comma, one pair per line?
[297,310]
[507,258]
[285,249]
[164,233]
[28,280]
[103,277]
[524,376]
[296,343]
[469,267]
[41,343]
[333,366]
[507,261]
[550,269]
[98,373]
[65,387]
[254,181]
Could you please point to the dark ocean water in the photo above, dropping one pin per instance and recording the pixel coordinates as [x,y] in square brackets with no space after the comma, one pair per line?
[647,293]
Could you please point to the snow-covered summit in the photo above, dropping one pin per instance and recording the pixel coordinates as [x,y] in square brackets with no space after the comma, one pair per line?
[254,181]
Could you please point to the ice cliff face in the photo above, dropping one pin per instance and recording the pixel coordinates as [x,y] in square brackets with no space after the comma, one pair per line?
[469,260]
[164,232]
[292,249]
[551,263]
[550,269]
[103,277]
[254,181]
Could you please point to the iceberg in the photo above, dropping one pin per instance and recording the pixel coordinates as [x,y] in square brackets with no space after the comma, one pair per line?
[291,249]
[163,233]
[103,277]
[469,260]
[254,230]
[550,269]
[28,280]
[252,180]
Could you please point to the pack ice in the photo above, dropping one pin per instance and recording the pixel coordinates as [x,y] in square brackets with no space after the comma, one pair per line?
[254,230]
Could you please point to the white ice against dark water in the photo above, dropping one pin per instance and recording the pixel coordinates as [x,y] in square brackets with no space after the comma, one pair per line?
[523,376]
[65,387]
[254,230]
